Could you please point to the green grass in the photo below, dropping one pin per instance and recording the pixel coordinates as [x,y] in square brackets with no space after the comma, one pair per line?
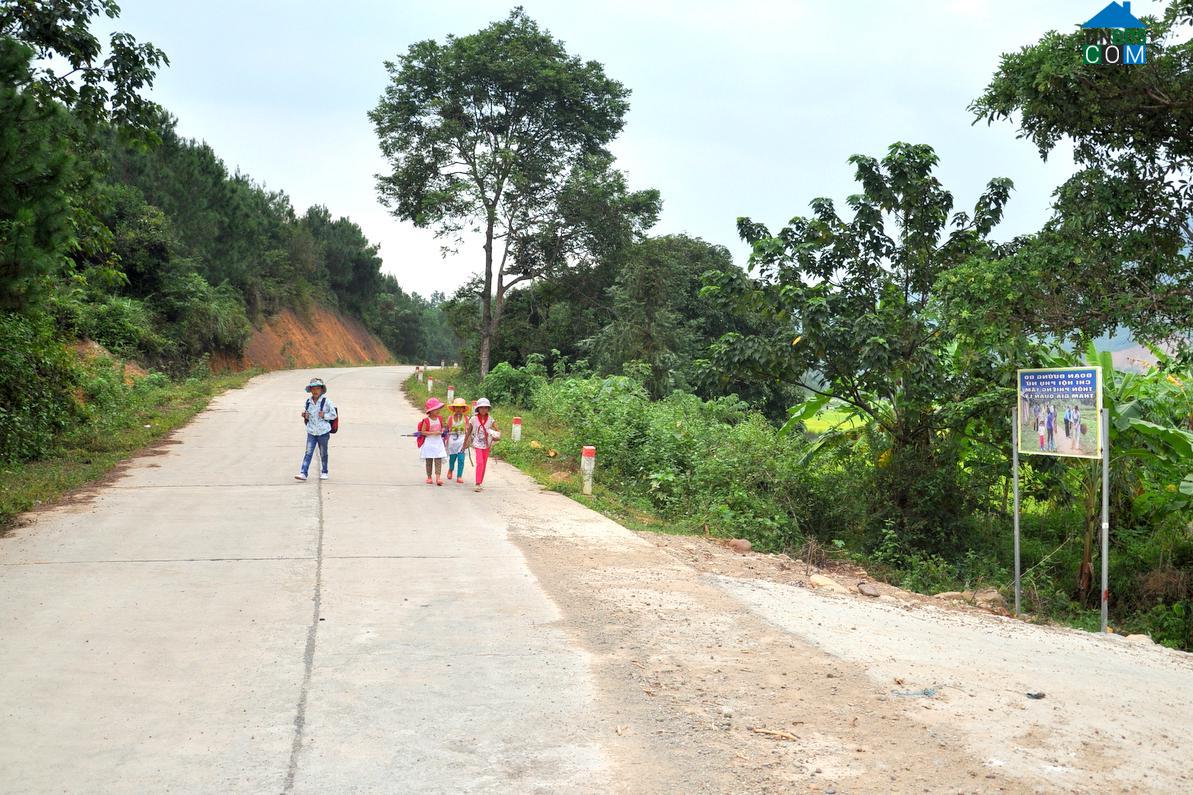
[89,452]
[533,455]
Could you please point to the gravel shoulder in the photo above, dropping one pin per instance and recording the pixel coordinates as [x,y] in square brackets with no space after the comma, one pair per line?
[1115,716]
[702,693]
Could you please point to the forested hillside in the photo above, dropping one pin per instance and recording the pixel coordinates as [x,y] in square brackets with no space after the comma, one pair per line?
[117,230]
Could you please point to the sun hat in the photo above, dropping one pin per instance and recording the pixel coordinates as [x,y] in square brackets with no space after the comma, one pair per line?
[482,403]
[314,382]
[459,404]
[433,403]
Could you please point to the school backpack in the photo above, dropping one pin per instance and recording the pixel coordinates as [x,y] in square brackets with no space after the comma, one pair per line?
[424,430]
[335,424]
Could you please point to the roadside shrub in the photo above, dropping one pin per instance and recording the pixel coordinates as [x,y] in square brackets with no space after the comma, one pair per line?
[1170,625]
[122,325]
[607,412]
[39,375]
[711,464]
[508,384]
[204,319]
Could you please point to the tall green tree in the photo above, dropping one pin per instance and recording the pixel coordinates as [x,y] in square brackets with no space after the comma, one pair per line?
[1116,251]
[483,132]
[857,314]
[73,68]
[658,315]
[36,231]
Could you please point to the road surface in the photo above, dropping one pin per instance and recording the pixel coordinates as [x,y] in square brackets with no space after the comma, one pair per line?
[204,623]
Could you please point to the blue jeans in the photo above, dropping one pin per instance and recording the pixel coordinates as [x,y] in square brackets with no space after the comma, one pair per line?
[455,461]
[313,440]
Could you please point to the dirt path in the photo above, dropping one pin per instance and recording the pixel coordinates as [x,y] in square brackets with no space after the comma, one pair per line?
[204,623]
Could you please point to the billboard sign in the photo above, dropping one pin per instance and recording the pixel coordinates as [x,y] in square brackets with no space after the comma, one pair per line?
[1060,412]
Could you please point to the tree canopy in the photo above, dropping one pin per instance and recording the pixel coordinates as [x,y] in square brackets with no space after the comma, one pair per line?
[857,313]
[1116,251]
[503,133]
[73,68]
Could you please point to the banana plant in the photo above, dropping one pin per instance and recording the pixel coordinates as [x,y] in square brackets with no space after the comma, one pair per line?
[1151,454]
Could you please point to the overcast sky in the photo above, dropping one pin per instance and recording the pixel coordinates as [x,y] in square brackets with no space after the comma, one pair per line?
[737,108]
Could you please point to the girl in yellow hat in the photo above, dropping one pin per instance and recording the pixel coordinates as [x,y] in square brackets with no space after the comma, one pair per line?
[457,426]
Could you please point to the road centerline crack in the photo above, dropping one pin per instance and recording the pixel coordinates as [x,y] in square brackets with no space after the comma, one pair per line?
[308,656]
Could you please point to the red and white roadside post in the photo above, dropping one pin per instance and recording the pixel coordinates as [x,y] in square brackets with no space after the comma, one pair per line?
[516,430]
[419,372]
[587,466]
[430,384]
[451,393]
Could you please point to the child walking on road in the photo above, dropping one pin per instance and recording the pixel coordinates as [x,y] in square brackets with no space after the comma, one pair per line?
[482,433]
[457,429]
[432,438]
[319,413]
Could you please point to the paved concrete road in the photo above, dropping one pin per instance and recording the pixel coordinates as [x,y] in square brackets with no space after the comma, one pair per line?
[207,624]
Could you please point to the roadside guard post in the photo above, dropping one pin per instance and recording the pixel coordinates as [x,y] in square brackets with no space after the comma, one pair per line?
[451,393]
[430,384]
[1058,412]
[587,465]
[419,372]
[516,431]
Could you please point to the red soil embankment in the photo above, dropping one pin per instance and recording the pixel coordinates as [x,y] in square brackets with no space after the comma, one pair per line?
[286,341]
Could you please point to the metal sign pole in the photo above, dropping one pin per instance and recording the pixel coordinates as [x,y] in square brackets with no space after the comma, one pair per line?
[1105,515]
[1015,477]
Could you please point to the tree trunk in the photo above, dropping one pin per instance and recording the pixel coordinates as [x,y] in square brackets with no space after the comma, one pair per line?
[487,299]
[490,323]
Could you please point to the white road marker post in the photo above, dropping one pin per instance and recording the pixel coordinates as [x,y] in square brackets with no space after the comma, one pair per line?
[419,372]
[516,430]
[587,465]
[442,363]
[430,384]
[451,393]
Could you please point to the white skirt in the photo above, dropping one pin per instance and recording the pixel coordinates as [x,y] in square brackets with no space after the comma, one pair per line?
[432,447]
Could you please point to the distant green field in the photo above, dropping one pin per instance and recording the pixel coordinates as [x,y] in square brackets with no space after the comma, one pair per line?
[827,420]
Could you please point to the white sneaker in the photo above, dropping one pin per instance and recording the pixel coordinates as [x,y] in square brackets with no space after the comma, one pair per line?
[322,476]
[300,476]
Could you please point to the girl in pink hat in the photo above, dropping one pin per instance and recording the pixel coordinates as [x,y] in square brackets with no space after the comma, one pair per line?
[432,435]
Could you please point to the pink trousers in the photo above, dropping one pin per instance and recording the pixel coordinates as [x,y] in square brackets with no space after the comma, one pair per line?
[482,458]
